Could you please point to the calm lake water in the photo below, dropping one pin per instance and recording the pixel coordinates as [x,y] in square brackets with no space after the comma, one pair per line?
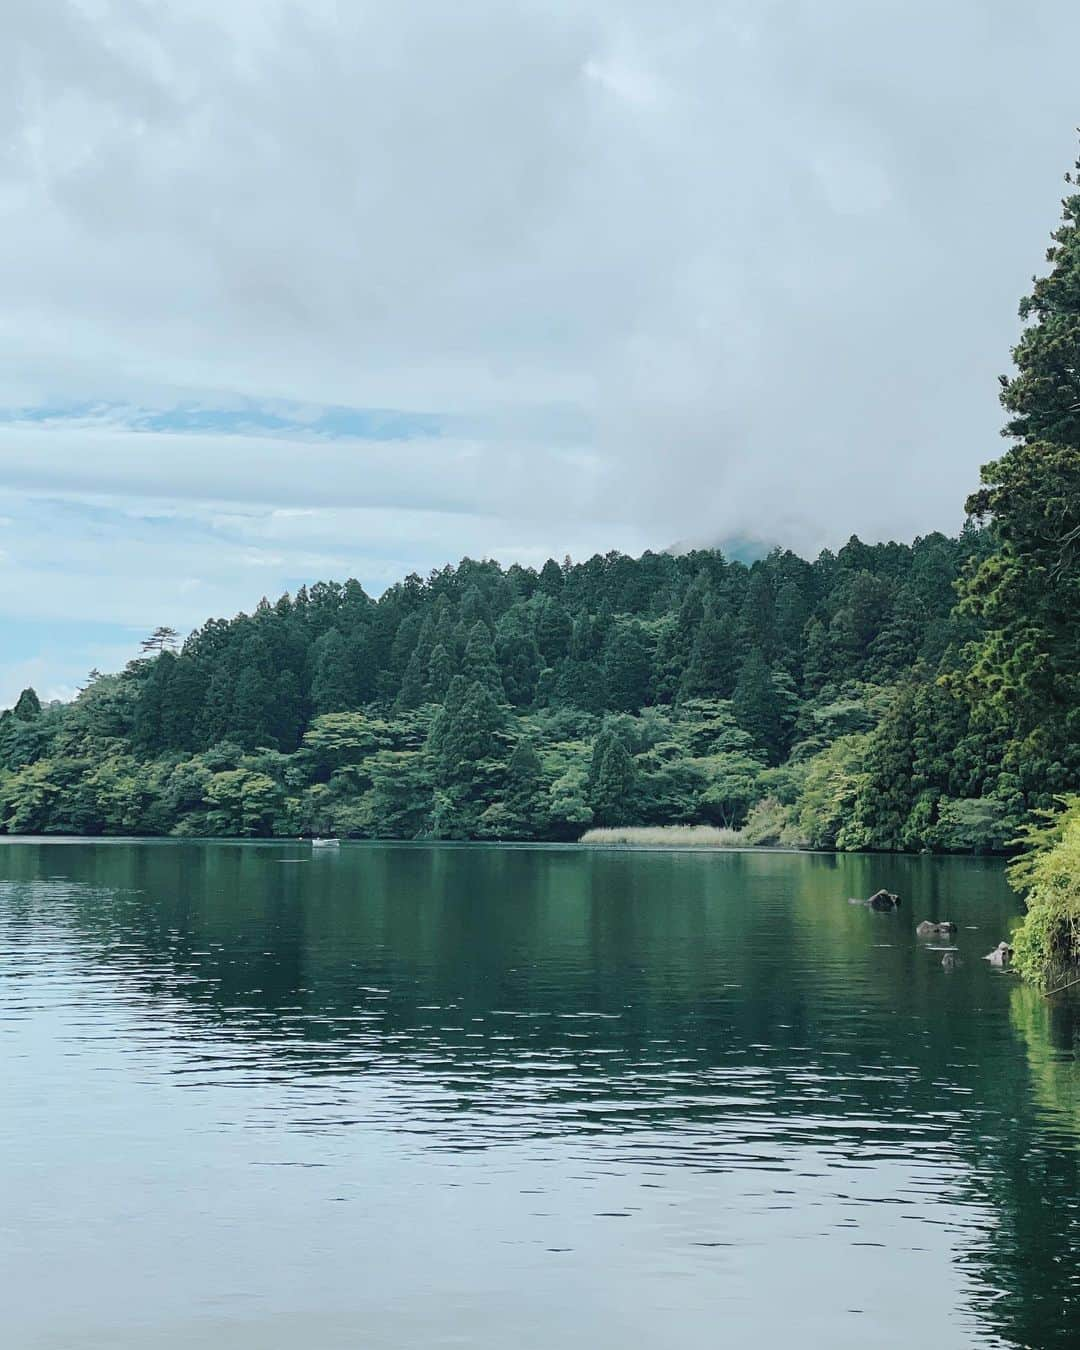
[515,1098]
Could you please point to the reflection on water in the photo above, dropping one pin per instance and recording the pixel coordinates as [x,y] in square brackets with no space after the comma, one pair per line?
[495,1097]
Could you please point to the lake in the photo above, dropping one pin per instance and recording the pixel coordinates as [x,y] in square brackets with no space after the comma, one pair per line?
[414,1096]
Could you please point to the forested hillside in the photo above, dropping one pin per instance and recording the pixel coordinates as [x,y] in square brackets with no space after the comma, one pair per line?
[893,696]
[483,703]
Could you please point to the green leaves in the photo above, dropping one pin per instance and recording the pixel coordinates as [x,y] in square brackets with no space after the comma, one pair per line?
[1047,943]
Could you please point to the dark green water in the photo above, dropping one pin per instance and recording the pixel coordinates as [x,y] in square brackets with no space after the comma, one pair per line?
[523,1098]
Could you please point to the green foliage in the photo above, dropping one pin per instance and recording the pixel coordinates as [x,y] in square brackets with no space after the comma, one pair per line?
[849,702]
[1047,943]
[628,668]
[1024,593]
[28,706]
[1044,394]
[332,676]
[568,808]
[489,704]
[824,816]
[759,705]
[818,702]
[611,780]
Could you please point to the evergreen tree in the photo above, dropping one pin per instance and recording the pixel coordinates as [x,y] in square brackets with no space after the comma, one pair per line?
[865,604]
[216,714]
[519,660]
[554,629]
[332,685]
[163,639]
[627,669]
[28,706]
[886,795]
[402,800]
[669,662]
[250,720]
[758,614]
[439,674]
[1044,394]
[155,695]
[182,705]
[757,706]
[1025,667]
[474,609]
[792,615]
[478,665]
[415,680]
[714,659]
[523,790]
[611,781]
[582,679]
[551,578]
[388,681]
[364,662]
[286,721]
[466,733]
[817,658]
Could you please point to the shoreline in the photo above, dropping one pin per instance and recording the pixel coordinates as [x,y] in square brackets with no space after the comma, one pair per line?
[281,841]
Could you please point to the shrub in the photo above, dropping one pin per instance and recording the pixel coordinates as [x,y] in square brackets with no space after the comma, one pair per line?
[1047,943]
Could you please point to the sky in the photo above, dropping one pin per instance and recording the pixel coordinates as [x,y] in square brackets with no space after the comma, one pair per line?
[294,289]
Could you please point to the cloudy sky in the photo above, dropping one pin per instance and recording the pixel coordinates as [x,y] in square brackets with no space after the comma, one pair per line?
[296,289]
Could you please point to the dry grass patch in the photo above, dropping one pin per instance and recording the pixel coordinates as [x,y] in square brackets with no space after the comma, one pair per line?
[664,836]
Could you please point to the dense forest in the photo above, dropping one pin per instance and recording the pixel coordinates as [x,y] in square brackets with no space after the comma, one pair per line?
[886,696]
[801,699]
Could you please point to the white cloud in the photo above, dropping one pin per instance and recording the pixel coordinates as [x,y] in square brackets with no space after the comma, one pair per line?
[669,271]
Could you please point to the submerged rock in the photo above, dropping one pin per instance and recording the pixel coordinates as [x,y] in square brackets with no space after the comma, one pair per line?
[930,929]
[1000,956]
[951,960]
[880,900]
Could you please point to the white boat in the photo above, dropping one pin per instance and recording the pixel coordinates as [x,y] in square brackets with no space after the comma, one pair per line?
[325,843]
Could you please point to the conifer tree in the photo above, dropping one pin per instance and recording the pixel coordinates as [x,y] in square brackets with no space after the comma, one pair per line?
[215,715]
[611,781]
[440,672]
[523,782]
[551,578]
[163,639]
[887,793]
[714,659]
[332,685]
[1044,394]
[415,680]
[627,669]
[792,614]
[757,706]
[1025,669]
[519,659]
[478,664]
[286,722]
[28,706]
[183,702]
[250,721]
[554,629]
[155,696]
[758,614]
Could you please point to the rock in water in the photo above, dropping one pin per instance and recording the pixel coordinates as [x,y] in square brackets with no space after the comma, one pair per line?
[929,929]
[1000,956]
[951,960]
[884,900]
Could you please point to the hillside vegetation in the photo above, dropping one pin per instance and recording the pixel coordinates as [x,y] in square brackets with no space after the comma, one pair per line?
[887,696]
[483,703]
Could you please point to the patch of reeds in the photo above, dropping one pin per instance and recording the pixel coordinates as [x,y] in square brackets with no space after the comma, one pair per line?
[664,836]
